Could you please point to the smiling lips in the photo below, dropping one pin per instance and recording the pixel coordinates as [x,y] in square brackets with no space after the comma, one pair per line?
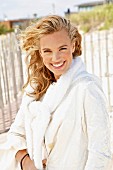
[58,65]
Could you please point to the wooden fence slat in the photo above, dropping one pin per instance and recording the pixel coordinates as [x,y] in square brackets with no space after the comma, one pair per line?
[5,54]
[99,55]
[107,66]
[1,103]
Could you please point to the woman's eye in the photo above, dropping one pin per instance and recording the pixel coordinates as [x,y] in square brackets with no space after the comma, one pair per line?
[47,51]
[63,49]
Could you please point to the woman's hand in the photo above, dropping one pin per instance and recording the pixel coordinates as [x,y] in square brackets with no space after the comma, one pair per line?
[28,164]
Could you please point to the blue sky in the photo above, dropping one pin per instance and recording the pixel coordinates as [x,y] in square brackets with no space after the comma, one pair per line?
[15,9]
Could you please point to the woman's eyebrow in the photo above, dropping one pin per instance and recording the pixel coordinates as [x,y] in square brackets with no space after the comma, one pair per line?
[58,47]
[63,46]
[46,49]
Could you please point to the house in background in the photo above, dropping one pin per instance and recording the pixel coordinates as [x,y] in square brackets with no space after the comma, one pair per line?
[86,6]
[11,24]
[89,5]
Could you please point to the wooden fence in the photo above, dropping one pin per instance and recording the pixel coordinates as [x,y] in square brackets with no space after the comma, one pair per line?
[11,80]
[98,57]
[97,54]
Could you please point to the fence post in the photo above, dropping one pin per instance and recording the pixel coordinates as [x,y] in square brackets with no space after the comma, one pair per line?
[99,55]
[1,103]
[84,50]
[107,68]
[92,52]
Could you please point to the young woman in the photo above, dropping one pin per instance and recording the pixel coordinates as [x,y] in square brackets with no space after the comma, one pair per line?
[62,123]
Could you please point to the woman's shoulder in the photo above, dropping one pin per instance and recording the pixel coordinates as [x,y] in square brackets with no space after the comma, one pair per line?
[28,89]
[26,98]
[89,84]
[85,79]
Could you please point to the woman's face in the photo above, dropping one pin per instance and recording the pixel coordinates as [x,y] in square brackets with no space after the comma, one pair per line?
[56,50]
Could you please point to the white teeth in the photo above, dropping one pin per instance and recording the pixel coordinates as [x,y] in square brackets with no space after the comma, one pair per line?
[58,65]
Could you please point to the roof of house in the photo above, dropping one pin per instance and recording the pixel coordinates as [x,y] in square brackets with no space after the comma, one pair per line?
[90,4]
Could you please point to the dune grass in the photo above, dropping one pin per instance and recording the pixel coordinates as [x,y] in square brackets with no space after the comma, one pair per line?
[99,18]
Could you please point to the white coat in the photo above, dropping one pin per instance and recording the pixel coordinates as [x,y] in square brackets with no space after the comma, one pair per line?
[82,141]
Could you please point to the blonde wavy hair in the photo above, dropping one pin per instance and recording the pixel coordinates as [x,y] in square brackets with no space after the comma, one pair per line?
[39,76]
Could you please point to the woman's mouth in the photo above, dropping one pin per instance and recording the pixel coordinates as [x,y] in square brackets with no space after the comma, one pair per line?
[59,65]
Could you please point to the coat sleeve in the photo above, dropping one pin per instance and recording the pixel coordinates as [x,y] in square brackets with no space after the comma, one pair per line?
[98,128]
[17,133]
[15,141]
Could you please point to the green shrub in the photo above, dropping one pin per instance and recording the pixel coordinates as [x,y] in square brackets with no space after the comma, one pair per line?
[4,30]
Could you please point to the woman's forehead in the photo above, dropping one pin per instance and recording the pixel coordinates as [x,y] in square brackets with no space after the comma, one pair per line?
[59,37]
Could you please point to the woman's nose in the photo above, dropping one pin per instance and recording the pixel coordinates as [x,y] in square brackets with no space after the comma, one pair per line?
[55,56]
